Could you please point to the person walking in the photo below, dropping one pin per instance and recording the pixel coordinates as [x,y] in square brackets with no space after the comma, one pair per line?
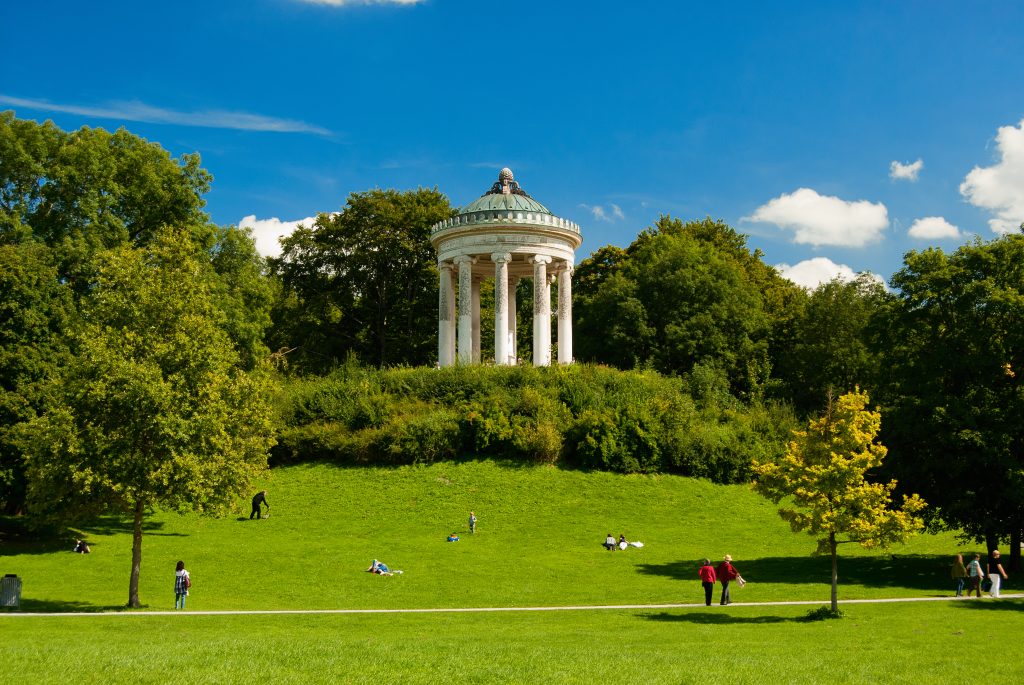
[258,499]
[707,579]
[959,575]
[472,522]
[182,582]
[996,574]
[974,575]
[726,572]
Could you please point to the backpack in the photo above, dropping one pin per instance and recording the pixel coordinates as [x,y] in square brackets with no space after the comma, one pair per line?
[186,581]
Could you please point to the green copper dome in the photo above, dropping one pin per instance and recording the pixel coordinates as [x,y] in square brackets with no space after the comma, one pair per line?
[505,195]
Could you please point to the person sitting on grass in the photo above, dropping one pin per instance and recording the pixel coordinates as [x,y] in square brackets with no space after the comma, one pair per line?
[81,547]
[622,542]
[454,537]
[609,543]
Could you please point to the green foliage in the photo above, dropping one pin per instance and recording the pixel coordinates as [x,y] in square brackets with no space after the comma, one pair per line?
[824,614]
[829,341]
[823,480]
[579,416]
[682,295]
[953,345]
[153,409]
[363,281]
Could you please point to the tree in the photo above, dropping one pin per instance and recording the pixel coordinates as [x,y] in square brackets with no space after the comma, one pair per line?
[682,295]
[953,347]
[829,347]
[155,409]
[823,478]
[363,280]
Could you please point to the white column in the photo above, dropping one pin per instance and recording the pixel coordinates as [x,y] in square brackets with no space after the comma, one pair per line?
[541,311]
[445,316]
[501,260]
[475,294]
[513,283]
[565,313]
[465,340]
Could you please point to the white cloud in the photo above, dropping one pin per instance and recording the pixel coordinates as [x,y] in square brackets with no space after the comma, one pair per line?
[139,111]
[905,172]
[811,273]
[823,219]
[268,232]
[933,227]
[613,213]
[1000,187]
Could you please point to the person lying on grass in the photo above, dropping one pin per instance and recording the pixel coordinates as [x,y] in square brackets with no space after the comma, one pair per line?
[381,569]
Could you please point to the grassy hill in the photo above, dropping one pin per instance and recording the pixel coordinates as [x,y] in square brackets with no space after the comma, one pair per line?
[538,544]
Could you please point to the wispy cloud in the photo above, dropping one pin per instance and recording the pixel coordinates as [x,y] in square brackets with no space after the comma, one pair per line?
[1000,188]
[905,172]
[823,219]
[342,3]
[612,213]
[933,228]
[140,111]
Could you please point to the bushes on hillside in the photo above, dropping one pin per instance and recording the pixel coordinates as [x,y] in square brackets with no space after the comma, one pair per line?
[581,416]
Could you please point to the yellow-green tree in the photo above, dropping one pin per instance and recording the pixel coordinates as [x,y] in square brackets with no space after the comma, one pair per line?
[822,480]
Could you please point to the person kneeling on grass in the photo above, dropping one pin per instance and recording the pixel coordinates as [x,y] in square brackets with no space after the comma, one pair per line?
[609,543]
[454,537]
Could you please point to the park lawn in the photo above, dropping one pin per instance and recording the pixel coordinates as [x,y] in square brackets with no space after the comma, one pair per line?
[920,642]
[538,544]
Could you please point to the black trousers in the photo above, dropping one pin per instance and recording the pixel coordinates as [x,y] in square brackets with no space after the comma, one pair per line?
[256,511]
[709,590]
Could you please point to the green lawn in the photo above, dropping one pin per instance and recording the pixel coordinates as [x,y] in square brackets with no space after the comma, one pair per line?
[538,544]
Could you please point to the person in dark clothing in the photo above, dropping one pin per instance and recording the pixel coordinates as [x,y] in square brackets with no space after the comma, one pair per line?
[260,498]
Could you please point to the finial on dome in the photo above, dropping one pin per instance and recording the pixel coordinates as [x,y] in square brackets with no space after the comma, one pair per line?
[505,175]
[506,185]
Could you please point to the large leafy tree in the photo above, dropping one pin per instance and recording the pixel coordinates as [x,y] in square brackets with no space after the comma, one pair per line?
[65,198]
[953,345]
[362,281]
[823,482]
[155,409]
[829,344]
[681,295]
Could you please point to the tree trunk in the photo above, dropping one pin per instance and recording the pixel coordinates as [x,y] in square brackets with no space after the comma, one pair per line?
[1015,548]
[991,541]
[835,572]
[133,585]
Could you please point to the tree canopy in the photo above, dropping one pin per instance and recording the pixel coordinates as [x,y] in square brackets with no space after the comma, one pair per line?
[953,346]
[362,281]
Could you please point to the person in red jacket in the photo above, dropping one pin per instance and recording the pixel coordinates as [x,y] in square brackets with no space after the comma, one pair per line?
[726,572]
[707,579]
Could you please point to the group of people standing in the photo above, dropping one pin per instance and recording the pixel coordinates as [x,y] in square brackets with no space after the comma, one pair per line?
[725,573]
[973,574]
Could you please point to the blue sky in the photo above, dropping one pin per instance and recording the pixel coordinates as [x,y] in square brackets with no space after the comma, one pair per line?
[837,135]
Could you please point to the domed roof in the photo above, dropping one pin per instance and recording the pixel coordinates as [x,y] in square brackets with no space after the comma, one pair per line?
[503,195]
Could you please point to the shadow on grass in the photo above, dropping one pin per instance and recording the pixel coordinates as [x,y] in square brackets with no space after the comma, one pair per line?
[986,604]
[17,537]
[719,618]
[915,571]
[44,606]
